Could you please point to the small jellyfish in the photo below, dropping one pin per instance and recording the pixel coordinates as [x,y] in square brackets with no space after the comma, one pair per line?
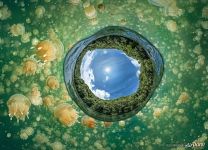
[48,101]
[90,12]
[35,96]
[89,122]
[57,146]
[52,82]
[57,43]
[18,105]
[205,12]
[66,114]
[30,67]
[107,124]
[183,98]
[25,37]
[39,11]
[157,112]
[122,123]
[46,50]
[171,26]
[17,29]
[5,13]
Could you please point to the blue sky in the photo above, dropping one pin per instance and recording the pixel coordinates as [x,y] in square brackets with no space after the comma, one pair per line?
[110,73]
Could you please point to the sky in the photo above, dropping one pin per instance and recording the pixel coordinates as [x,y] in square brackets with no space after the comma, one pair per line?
[110,73]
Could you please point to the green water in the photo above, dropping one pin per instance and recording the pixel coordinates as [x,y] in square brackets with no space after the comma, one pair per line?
[162,124]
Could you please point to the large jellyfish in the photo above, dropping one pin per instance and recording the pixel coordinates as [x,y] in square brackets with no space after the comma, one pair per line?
[18,105]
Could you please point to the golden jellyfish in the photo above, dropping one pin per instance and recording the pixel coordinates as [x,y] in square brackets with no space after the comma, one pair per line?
[90,12]
[39,11]
[107,124]
[35,96]
[17,29]
[30,67]
[157,112]
[56,43]
[48,101]
[183,98]
[66,114]
[18,105]
[171,25]
[46,50]
[89,122]
[52,82]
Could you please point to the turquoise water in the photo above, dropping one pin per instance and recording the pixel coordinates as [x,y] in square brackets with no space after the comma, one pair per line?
[176,116]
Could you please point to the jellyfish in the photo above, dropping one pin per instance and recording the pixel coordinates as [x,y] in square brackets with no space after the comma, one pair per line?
[48,101]
[57,146]
[122,123]
[17,29]
[39,11]
[25,133]
[157,112]
[205,12]
[30,67]
[52,82]
[90,12]
[89,122]
[18,105]
[169,7]
[183,98]
[66,114]
[171,26]
[56,43]
[35,96]
[5,12]
[46,50]
[107,124]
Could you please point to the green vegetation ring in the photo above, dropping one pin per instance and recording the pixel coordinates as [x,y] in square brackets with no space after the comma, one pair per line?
[133,45]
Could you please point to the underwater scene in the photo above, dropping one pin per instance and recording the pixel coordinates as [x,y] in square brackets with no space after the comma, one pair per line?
[103,74]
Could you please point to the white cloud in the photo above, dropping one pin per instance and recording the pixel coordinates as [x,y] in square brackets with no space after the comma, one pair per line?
[88,76]
[86,72]
[135,63]
[101,94]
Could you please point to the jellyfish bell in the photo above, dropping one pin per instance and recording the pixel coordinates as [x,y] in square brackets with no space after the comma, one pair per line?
[59,48]
[49,50]
[17,29]
[107,124]
[30,67]
[52,82]
[18,106]
[48,101]
[90,12]
[35,95]
[46,50]
[89,122]
[66,114]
